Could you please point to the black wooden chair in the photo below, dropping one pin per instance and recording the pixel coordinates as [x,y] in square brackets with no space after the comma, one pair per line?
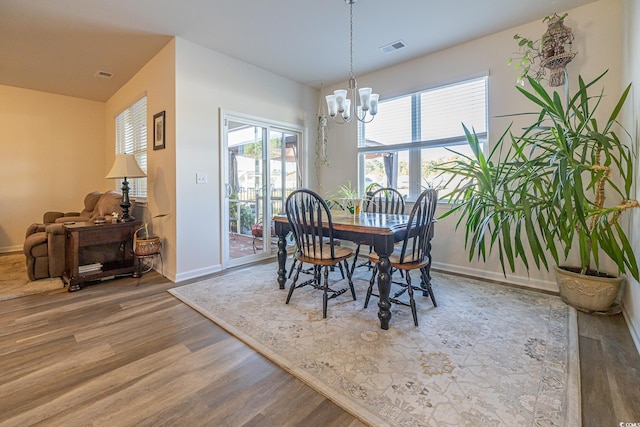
[413,253]
[383,200]
[310,221]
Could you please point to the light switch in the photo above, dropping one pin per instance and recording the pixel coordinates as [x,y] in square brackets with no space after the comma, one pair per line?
[201,177]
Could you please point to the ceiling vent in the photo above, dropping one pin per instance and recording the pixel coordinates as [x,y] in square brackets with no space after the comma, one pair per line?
[393,46]
[104,75]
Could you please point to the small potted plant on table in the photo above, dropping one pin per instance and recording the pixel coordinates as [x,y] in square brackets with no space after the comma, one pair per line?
[349,199]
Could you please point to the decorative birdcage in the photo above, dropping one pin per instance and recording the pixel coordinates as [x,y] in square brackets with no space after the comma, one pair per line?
[556,49]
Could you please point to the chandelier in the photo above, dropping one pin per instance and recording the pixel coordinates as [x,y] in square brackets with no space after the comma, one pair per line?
[340,107]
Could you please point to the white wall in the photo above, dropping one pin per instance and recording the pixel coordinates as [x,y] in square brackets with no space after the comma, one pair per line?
[207,81]
[631,51]
[52,156]
[598,39]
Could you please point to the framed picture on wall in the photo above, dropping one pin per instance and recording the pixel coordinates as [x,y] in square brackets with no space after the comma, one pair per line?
[158,131]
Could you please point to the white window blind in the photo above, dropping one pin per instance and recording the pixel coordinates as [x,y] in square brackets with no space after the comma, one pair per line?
[131,138]
[424,117]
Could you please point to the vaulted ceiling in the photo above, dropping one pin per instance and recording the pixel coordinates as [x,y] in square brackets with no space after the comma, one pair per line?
[58,46]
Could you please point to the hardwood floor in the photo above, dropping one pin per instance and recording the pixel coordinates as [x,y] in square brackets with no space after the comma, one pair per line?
[117,354]
[609,371]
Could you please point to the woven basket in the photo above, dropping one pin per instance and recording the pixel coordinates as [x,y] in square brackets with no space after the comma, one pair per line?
[150,246]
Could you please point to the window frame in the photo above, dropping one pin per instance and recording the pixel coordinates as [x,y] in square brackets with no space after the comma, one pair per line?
[416,146]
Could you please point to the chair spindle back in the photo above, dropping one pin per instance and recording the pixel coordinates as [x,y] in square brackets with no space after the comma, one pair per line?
[386,200]
[417,240]
[310,219]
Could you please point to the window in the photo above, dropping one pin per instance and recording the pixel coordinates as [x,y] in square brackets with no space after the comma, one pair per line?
[411,133]
[131,138]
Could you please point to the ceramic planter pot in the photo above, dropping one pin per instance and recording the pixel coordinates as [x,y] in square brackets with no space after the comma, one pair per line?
[587,293]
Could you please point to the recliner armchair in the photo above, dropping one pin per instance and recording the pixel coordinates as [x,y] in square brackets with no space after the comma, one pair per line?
[44,250]
[96,204]
[44,245]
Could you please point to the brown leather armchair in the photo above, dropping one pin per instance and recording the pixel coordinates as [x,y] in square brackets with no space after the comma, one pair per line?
[44,250]
[44,245]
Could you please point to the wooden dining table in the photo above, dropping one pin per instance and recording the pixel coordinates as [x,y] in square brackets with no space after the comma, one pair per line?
[379,230]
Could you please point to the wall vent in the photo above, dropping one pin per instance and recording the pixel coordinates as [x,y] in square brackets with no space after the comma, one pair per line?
[104,75]
[393,46]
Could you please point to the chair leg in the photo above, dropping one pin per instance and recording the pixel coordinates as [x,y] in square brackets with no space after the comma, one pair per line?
[355,259]
[341,269]
[371,282]
[412,302]
[293,284]
[293,266]
[350,277]
[325,297]
[426,282]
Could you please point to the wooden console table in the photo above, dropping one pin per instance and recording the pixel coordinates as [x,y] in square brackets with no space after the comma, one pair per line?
[108,247]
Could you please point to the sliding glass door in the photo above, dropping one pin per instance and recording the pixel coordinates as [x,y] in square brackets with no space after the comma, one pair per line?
[260,169]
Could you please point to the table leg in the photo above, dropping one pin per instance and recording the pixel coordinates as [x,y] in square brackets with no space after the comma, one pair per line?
[282,259]
[384,287]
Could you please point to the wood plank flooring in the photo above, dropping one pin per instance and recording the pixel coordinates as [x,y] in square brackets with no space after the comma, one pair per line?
[117,354]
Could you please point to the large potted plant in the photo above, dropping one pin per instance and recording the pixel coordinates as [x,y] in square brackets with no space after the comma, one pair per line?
[550,187]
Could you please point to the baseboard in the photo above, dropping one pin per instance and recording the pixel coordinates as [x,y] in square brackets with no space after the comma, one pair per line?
[543,285]
[193,274]
[7,249]
[632,329]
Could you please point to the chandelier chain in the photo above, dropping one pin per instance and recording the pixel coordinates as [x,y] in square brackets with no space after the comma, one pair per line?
[342,105]
[351,40]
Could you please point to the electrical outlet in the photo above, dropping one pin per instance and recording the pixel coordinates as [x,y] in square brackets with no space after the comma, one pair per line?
[201,178]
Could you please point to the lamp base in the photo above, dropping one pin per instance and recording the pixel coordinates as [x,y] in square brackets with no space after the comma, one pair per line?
[125,205]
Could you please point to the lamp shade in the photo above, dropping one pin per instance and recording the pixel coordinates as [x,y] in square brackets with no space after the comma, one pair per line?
[125,166]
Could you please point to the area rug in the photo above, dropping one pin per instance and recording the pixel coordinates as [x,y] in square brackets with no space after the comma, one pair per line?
[489,354]
[15,283]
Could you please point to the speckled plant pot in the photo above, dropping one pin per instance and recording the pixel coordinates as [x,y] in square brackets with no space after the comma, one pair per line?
[587,293]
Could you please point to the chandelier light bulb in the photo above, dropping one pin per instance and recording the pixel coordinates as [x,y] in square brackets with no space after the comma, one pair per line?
[332,106]
[365,98]
[346,114]
[373,108]
[341,97]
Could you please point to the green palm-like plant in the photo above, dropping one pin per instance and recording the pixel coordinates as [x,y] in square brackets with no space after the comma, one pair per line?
[547,186]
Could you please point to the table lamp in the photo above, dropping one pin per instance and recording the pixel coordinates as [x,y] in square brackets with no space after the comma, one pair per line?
[125,166]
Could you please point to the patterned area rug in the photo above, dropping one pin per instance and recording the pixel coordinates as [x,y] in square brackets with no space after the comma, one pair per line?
[488,355]
[15,283]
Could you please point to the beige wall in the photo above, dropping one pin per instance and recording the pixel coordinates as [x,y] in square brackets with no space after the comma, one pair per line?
[598,38]
[192,83]
[156,80]
[52,155]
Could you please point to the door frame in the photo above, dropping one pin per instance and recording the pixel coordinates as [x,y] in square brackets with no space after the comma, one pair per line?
[269,125]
